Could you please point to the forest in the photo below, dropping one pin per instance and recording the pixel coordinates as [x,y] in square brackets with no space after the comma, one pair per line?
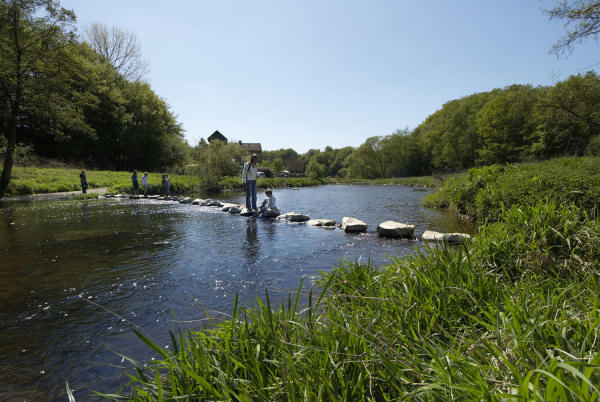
[519,123]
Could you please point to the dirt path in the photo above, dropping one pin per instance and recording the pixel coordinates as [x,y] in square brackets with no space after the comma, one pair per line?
[54,196]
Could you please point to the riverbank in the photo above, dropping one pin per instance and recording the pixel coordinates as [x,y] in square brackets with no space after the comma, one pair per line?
[33,181]
[511,314]
[482,193]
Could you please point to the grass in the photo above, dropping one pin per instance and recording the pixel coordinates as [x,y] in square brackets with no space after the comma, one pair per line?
[482,193]
[34,180]
[417,181]
[514,314]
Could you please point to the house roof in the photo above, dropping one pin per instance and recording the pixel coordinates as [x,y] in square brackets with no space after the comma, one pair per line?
[217,136]
[252,146]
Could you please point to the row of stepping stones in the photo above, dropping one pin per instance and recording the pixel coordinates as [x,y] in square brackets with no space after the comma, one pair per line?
[389,229]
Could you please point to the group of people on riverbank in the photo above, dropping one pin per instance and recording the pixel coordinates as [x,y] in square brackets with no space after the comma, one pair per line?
[166,183]
[249,183]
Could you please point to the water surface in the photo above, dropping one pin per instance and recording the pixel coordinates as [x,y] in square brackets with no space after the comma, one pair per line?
[76,275]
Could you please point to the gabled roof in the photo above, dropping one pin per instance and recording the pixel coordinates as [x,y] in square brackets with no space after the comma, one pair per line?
[217,136]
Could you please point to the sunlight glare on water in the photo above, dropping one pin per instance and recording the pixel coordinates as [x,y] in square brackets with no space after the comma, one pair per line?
[76,275]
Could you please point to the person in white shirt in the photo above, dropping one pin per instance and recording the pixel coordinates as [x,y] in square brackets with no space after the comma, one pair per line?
[269,209]
[145,184]
[249,177]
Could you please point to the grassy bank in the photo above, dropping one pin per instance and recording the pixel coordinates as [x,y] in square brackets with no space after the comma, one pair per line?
[417,181]
[514,314]
[481,193]
[34,180]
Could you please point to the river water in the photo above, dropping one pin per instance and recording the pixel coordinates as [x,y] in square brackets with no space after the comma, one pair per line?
[76,275]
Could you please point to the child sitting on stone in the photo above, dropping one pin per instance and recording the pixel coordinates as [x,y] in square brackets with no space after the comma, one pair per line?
[269,209]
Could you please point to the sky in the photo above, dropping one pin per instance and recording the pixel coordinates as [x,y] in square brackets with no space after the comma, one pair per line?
[305,74]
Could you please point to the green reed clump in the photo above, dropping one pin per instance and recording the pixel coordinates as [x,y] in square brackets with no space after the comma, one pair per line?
[514,315]
[481,193]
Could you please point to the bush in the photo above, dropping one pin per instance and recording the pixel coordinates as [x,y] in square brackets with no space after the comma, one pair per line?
[483,192]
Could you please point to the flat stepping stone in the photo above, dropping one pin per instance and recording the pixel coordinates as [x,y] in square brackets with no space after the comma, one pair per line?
[227,206]
[197,201]
[235,209]
[353,225]
[454,238]
[322,223]
[396,230]
[153,197]
[214,203]
[271,213]
[294,217]
[186,200]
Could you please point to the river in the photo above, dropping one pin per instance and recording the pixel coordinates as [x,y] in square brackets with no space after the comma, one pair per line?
[76,275]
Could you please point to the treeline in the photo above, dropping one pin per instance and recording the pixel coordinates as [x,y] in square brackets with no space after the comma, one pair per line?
[519,123]
[60,99]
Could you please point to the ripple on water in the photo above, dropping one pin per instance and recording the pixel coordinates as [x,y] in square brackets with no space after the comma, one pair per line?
[82,273]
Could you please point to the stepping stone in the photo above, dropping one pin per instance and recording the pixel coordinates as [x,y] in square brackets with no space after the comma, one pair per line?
[214,203]
[294,217]
[197,201]
[323,223]
[186,200]
[396,230]
[454,238]
[353,225]
[227,206]
[246,212]
[235,209]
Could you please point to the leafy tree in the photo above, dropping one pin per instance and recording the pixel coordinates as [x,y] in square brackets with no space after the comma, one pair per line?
[582,22]
[505,127]
[314,169]
[568,117]
[31,34]
[216,160]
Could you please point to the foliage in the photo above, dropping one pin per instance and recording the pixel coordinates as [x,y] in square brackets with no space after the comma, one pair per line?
[513,315]
[582,15]
[60,97]
[33,36]
[214,161]
[483,193]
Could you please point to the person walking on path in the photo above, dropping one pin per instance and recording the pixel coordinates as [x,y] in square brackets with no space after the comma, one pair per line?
[83,179]
[249,177]
[136,184]
[145,184]
[166,183]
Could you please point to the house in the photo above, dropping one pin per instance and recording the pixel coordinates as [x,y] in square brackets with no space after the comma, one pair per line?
[252,148]
[217,136]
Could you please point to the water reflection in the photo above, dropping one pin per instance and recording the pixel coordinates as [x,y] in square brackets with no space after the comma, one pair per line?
[251,245]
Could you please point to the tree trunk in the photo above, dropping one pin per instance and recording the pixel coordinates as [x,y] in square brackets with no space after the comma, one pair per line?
[9,158]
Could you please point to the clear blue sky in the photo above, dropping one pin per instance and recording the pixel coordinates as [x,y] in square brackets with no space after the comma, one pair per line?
[310,73]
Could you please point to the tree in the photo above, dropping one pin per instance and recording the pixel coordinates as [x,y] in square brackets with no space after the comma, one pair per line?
[119,48]
[568,116]
[32,33]
[314,169]
[506,127]
[582,21]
